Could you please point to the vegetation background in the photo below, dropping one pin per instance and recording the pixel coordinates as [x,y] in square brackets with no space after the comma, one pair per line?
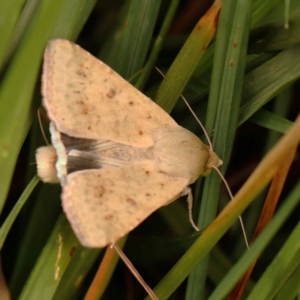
[243,87]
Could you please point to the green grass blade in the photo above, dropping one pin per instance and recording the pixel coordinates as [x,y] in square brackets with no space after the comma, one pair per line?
[21,26]
[258,246]
[271,121]
[157,45]
[222,113]
[15,103]
[187,59]
[291,289]
[261,8]
[138,30]
[126,52]
[52,263]
[10,12]
[71,284]
[283,265]
[266,81]
[6,226]
[274,37]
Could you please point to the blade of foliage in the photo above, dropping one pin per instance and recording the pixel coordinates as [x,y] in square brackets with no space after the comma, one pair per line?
[261,8]
[271,121]
[52,263]
[10,12]
[274,36]
[15,103]
[126,52]
[259,245]
[157,44]
[266,81]
[70,285]
[6,226]
[291,288]
[266,216]
[222,112]
[283,265]
[187,59]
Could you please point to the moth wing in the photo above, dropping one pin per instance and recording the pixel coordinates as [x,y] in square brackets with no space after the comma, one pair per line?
[85,98]
[104,205]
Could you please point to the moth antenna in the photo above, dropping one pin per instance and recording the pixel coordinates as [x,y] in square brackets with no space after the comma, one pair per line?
[41,127]
[193,113]
[134,271]
[231,196]
[199,122]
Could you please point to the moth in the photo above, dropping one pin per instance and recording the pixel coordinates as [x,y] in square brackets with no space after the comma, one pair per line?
[117,155]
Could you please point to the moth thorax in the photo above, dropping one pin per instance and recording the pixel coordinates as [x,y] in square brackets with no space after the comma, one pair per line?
[181,153]
[46,158]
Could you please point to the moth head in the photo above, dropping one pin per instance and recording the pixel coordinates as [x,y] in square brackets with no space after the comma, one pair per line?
[213,161]
[46,158]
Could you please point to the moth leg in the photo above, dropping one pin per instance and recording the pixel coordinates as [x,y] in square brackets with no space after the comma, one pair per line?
[188,192]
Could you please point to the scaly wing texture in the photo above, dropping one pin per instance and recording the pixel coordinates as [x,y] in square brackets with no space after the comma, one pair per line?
[103,205]
[87,99]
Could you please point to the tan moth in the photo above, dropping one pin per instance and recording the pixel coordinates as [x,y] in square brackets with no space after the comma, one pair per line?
[118,155]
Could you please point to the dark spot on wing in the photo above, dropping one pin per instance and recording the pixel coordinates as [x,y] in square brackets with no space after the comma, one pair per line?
[141,132]
[81,73]
[131,103]
[111,93]
[130,201]
[108,217]
[102,191]
[147,172]
[76,92]
[147,194]
[84,107]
